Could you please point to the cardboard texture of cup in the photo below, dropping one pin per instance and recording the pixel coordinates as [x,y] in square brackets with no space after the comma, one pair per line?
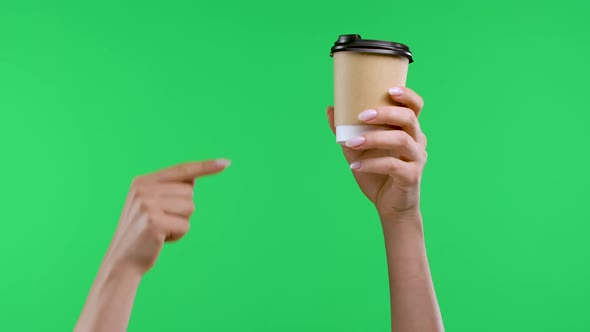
[364,71]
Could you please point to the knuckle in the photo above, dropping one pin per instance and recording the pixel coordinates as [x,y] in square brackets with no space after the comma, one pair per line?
[188,190]
[152,226]
[184,170]
[141,188]
[407,117]
[384,112]
[392,166]
[146,204]
[153,220]
[410,178]
[403,139]
[418,100]
[374,139]
[191,207]
[140,192]
[383,115]
[143,204]
[414,176]
[420,103]
[137,182]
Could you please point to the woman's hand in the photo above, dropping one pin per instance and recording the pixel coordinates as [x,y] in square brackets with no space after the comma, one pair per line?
[387,165]
[157,210]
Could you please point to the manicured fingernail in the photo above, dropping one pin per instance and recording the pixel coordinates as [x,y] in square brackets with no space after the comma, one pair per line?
[354,142]
[356,165]
[396,91]
[222,162]
[367,115]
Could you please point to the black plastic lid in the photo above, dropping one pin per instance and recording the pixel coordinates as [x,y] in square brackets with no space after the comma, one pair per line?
[355,43]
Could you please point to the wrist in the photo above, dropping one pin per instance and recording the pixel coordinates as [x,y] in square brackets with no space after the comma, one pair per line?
[406,221]
[113,272]
[413,216]
[404,238]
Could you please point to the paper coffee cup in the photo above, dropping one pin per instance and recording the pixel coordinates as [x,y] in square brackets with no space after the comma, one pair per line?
[364,70]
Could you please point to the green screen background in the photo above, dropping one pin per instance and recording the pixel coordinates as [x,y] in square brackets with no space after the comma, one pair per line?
[92,94]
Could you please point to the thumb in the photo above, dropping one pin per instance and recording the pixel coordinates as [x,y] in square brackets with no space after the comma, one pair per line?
[330,113]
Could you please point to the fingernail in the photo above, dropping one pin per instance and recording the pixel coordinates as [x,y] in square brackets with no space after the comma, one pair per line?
[396,91]
[356,165]
[367,115]
[354,142]
[222,162]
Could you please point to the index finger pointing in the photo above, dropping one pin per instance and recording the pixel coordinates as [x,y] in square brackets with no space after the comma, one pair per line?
[191,170]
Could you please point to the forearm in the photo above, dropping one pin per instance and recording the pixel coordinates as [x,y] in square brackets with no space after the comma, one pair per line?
[413,301]
[110,301]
